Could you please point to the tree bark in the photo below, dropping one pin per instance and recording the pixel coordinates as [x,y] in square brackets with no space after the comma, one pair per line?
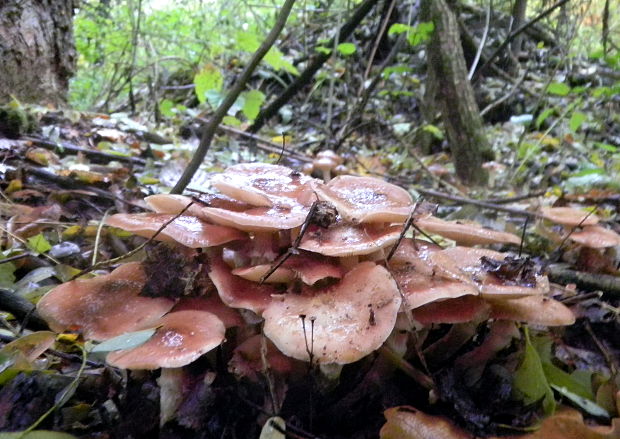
[37,52]
[448,87]
[518,19]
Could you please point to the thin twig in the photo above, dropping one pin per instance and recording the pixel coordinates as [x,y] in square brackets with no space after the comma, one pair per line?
[231,97]
[487,26]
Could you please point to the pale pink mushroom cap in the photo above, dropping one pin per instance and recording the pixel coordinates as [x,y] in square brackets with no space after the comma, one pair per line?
[182,338]
[465,233]
[305,266]
[536,310]
[595,237]
[258,219]
[366,199]
[351,319]
[459,310]
[213,304]
[170,203]
[349,240]
[569,216]
[185,230]
[105,306]
[262,184]
[237,292]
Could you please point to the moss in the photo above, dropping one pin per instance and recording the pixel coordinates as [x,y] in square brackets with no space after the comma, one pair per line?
[15,122]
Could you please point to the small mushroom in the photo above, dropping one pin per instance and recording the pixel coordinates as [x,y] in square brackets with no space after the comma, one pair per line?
[339,324]
[182,337]
[185,230]
[569,216]
[595,237]
[366,199]
[105,306]
[237,292]
[326,166]
[466,234]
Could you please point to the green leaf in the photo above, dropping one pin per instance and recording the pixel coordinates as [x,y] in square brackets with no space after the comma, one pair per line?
[209,79]
[37,434]
[588,406]
[253,100]
[398,28]
[420,33]
[543,116]
[39,244]
[231,121]
[436,132]
[275,58]
[128,340]
[165,107]
[346,49]
[7,275]
[323,49]
[606,146]
[558,88]
[247,41]
[576,119]
[530,380]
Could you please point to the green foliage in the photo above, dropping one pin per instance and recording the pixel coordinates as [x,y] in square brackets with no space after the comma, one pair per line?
[416,35]
[209,79]
[346,49]
[558,88]
[253,100]
[39,244]
[128,340]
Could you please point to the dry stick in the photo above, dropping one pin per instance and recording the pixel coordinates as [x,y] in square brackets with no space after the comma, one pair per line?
[14,258]
[510,37]
[231,97]
[135,250]
[375,46]
[315,64]
[608,284]
[483,41]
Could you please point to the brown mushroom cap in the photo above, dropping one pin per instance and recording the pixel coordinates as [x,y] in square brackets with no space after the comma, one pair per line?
[262,184]
[569,216]
[348,240]
[305,266]
[237,292]
[213,304]
[366,199]
[343,323]
[105,306]
[329,154]
[465,234]
[459,310]
[258,219]
[170,203]
[595,237]
[464,264]
[182,338]
[186,230]
[536,310]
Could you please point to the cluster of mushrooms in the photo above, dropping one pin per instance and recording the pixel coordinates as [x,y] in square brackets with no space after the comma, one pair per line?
[322,269]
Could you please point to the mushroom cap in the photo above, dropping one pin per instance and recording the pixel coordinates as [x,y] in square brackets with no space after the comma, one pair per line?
[262,184]
[569,216]
[330,154]
[213,304]
[305,266]
[342,323]
[466,233]
[415,254]
[104,306]
[170,203]
[458,310]
[366,199]
[595,237]
[258,219]
[344,239]
[537,310]
[464,264]
[182,337]
[237,292]
[186,230]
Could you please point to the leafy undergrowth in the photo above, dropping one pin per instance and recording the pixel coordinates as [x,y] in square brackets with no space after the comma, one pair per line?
[487,377]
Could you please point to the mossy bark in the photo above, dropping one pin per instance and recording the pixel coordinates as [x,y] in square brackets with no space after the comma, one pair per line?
[449,90]
[37,52]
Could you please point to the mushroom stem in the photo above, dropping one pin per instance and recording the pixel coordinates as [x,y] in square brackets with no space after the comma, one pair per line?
[348,262]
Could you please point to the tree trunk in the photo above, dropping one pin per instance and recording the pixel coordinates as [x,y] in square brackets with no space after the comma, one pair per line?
[518,19]
[37,52]
[453,94]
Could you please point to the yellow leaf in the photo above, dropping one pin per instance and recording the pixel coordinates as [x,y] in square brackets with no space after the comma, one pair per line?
[278,139]
[14,186]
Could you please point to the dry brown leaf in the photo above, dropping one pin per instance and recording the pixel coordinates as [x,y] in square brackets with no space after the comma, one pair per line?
[409,423]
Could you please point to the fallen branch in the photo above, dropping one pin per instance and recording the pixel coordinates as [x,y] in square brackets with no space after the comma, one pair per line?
[21,308]
[231,97]
[562,274]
